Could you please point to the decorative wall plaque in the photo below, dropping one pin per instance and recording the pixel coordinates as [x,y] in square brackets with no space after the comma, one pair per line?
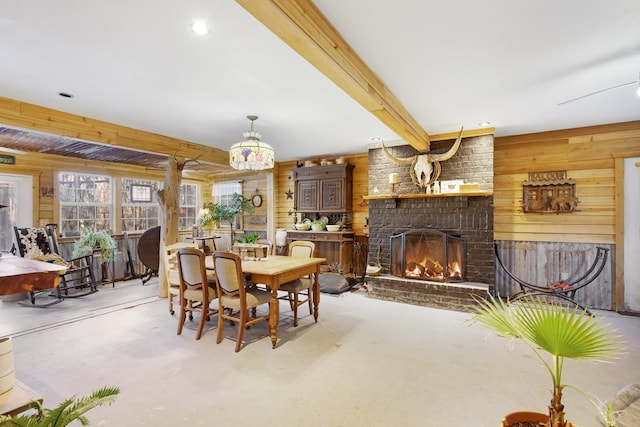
[549,191]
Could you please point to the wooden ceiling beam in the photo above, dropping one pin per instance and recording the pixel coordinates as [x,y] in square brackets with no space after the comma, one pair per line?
[301,25]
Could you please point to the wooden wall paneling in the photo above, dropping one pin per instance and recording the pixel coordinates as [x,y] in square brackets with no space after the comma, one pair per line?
[587,155]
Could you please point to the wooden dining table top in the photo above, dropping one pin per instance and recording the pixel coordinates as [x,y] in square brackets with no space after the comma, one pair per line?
[19,274]
[278,264]
[273,264]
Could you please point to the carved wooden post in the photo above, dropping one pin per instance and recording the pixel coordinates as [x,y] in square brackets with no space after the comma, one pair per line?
[169,197]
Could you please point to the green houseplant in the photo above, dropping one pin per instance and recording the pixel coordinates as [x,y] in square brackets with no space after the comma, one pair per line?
[317,225]
[249,238]
[554,333]
[68,411]
[96,240]
[215,213]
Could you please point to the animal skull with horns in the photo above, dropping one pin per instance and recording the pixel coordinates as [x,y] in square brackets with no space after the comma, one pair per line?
[425,168]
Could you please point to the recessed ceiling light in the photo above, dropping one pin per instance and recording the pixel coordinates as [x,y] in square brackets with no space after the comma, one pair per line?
[65,95]
[484,124]
[200,28]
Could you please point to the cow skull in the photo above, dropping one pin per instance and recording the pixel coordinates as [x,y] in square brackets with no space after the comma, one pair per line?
[425,168]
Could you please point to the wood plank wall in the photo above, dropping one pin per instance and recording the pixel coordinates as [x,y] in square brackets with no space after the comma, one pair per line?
[587,154]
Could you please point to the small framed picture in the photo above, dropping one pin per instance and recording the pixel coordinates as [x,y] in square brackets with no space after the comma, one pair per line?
[140,193]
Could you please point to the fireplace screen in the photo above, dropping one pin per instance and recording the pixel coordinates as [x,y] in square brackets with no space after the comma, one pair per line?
[428,255]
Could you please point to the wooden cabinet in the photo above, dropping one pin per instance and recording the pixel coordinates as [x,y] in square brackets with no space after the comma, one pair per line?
[336,247]
[325,189]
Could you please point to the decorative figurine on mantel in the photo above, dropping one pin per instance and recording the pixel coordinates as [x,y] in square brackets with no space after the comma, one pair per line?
[425,168]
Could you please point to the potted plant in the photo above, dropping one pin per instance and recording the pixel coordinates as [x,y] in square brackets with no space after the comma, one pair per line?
[317,225]
[554,333]
[215,213]
[249,238]
[92,240]
[68,411]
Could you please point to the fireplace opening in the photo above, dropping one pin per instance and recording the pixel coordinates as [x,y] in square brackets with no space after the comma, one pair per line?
[428,255]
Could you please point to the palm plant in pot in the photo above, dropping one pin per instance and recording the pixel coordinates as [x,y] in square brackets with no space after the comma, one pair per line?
[65,413]
[554,332]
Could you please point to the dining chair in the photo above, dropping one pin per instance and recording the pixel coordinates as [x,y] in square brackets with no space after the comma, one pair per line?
[195,292]
[169,254]
[302,286]
[234,299]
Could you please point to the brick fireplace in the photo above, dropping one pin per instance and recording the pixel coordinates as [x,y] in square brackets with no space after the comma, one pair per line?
[470,218]
[428,255]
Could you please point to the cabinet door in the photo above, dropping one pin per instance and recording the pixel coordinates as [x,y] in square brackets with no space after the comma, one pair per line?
[307,196]
[332,194]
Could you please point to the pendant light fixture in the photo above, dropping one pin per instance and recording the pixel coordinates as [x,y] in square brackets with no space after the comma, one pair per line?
[251,154]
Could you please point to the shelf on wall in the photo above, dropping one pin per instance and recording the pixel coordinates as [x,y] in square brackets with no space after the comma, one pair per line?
[425,195]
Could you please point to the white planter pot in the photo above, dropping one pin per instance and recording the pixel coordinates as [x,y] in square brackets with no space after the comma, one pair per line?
[7,375]
[281,237]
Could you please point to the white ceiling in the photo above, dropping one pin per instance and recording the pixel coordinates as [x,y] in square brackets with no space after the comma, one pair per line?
[450,63]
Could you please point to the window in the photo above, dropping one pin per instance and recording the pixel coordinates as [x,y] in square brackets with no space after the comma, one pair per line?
[189,201]
[86,203]
[222,191]
[16,196]
[223,194]
[138,212]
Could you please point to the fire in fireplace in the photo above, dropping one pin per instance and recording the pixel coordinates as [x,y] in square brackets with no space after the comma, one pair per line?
[428,255]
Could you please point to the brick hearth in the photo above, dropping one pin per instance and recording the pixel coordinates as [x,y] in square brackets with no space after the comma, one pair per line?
[450,296]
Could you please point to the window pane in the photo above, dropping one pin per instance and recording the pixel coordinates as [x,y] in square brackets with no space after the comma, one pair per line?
[139,215]
[189,201]
[86,203]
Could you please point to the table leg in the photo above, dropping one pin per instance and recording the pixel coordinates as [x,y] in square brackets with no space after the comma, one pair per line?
[316,293]
[274,315]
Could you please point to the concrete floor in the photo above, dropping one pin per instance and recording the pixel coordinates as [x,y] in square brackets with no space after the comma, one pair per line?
[365,363]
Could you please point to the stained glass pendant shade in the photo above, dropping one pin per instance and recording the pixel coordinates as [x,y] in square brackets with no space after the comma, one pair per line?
[251,154]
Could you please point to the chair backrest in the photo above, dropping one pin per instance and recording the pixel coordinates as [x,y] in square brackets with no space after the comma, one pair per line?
[228,268]
[33,242]
[193,274]
[267,243]
[169,254]
[302,248]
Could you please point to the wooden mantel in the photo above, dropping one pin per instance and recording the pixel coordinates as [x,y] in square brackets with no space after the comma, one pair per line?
[479,193]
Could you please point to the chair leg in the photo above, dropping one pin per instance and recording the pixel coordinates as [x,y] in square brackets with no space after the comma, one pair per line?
[204,315]
[295,309]
[291,304]
[220,323]
[170,298]
[183,315]
[309,299]
[243,322]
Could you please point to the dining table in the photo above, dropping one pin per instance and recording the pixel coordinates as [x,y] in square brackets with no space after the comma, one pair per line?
[276,270]
[19,274]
